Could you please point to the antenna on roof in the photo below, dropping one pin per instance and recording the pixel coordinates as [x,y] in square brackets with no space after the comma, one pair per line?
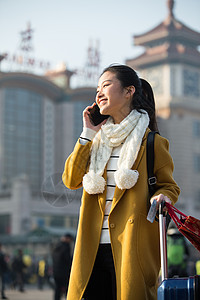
[170,4]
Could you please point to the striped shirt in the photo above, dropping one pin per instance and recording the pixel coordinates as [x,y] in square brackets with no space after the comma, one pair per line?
[86,135]
[111,168]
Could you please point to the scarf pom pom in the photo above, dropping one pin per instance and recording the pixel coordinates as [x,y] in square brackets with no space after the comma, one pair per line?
[93,183]
[126,178]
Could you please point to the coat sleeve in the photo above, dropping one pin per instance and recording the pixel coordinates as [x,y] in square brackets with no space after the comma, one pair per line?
[163,170]
[76,166]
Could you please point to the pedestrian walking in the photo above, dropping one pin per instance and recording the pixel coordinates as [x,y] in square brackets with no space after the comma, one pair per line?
[62,259]
[18,268]
[42,272]
[3,270]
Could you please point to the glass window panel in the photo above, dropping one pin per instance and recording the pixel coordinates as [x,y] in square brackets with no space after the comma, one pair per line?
[22,134]
[5,225]
[197,163]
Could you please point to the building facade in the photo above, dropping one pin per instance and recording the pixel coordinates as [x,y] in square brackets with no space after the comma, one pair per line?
[40,120]
[171,63]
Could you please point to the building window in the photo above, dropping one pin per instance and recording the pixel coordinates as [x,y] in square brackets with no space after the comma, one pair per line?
[57,221]
[196,129]
[197,163]
[74,222]
[173,83]
[23,136]
[4,224]
[71,222]
[190,83]
[197,200]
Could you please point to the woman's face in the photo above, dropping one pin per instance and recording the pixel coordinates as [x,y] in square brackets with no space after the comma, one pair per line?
[112,98]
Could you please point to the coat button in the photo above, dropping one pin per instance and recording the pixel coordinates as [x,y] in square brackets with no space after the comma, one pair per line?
[112,225]
[131,221]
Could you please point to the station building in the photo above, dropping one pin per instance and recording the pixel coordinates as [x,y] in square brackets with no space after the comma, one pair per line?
[40,121]
[171,63]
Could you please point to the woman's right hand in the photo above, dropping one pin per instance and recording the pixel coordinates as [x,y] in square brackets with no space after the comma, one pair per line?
[86,119]
[159,198]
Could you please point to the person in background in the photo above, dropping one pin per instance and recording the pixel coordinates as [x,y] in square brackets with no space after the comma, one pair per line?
[3,270]
[42,272]
[62,259]
[116,253]
[177,254]
[197,265]
[18,268]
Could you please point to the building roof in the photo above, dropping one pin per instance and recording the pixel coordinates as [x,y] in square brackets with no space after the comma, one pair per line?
[167,52]
[32,82]
[169,29]
[170,41]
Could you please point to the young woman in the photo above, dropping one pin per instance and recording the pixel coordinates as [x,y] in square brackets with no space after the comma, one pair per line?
[117,250]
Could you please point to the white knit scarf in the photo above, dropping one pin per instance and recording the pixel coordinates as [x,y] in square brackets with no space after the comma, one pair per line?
[130,131]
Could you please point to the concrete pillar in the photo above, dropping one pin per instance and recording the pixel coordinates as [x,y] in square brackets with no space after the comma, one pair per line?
[21,201]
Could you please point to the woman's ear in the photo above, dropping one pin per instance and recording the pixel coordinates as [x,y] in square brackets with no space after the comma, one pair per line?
[130,90]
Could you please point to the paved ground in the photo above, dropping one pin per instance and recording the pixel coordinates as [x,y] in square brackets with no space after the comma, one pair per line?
[31,294]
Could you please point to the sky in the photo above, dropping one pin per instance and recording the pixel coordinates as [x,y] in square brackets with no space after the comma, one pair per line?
[63,29]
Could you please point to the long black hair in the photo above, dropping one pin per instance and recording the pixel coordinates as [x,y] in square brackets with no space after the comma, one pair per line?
[143,97]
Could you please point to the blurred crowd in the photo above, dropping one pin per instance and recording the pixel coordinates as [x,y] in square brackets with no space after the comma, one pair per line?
[22,270]
[53,271]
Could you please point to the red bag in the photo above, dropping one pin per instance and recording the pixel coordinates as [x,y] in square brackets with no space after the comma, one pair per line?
[187,225]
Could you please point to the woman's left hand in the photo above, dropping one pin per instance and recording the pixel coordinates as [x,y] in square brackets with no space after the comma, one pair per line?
[159,198]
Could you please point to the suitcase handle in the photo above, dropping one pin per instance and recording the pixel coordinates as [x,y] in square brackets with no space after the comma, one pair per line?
[163,241]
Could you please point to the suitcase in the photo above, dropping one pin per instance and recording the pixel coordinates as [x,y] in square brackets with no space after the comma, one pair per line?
[174,288]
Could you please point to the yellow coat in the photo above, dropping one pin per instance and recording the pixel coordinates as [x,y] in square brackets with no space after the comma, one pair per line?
[134,240]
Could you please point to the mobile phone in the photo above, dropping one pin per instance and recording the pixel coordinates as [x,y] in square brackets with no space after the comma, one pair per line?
[95,116]
[152,211]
